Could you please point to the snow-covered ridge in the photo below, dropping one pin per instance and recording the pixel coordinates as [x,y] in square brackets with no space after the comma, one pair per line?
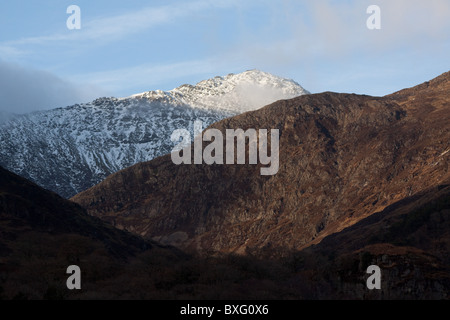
[68,150]
[246,91]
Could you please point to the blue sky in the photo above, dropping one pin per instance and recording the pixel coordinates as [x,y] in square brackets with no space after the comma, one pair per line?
[127,47]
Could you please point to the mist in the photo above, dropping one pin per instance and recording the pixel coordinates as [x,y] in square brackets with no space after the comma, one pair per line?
[25,90]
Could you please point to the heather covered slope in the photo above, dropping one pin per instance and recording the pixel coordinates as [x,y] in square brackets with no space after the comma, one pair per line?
[41,234]
[343,157]
[409,241]
[40,238]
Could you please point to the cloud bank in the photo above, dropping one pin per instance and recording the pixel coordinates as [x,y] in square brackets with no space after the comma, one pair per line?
[24,90]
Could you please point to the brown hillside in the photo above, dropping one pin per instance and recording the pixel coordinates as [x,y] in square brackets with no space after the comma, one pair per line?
[343,157]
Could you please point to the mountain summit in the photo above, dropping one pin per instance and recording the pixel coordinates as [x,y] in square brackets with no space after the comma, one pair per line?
[236,93]
[68,150]
[342,158]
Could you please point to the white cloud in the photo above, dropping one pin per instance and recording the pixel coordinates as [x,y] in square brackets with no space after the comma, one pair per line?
[106,29]
[333,29]
[10,52]
[145,76]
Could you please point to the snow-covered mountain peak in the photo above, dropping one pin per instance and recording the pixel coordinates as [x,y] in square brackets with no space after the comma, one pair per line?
[246,91]
[70,149]
[254,76]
